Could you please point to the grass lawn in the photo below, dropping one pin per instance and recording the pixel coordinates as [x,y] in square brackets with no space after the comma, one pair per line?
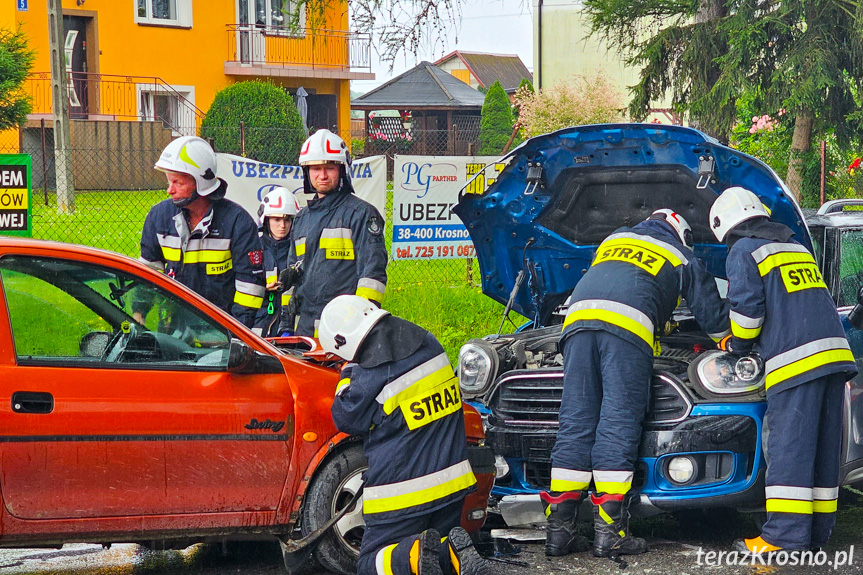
[435,294]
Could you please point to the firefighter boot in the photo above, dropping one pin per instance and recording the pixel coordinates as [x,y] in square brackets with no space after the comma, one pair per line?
[562,512]
[611,522]
[424,554]
[463,556]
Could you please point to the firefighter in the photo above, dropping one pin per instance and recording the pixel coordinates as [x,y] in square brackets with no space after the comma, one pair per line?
[204,241]
[277,212]
[399,393]
[609,338]
[337,240]
[781,310]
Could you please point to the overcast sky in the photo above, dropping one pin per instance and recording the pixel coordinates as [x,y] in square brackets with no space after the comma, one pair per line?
[493,26]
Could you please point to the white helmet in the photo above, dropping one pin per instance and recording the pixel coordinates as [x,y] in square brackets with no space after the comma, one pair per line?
[676,221]
[733,206]
[193,156]
[345,323]
[323,147]
[278,202]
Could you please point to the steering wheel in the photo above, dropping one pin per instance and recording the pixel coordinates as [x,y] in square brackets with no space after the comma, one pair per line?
[122,337]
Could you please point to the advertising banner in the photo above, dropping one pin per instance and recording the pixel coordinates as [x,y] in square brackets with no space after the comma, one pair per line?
[424,188]
[250,180]
[16,195]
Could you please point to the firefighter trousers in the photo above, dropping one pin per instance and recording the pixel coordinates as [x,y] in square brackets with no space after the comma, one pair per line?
[606,384]
[803,442]
[401,535]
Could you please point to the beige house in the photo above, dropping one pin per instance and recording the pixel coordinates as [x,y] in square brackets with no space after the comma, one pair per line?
[562,48]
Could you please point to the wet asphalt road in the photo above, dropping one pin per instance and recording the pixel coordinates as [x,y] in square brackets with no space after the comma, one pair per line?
[679,546]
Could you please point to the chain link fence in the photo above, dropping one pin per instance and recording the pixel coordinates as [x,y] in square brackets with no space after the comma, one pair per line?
[115,183]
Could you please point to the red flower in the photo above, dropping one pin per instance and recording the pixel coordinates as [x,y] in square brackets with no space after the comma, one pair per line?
[854,165]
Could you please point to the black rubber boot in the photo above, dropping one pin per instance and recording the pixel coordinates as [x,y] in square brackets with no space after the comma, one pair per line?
[425,560]
[562,512]
[463,555]
[611,522]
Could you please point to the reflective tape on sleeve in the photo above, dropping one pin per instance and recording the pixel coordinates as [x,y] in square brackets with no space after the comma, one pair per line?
[371,289]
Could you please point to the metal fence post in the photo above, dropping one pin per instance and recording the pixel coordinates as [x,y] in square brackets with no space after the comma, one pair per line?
[44,163]
[242,138]
[469,262]
[823,171]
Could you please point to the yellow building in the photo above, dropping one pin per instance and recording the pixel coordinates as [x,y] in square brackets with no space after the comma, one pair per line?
[164,60]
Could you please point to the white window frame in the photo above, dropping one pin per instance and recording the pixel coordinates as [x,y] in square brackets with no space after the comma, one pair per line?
[280,29]
[185,116]
[183,20]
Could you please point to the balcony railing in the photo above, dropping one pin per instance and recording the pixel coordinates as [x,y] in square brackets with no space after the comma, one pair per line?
[112,97]
[316,49]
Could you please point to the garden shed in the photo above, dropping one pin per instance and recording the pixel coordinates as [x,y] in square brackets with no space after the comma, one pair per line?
[437,114]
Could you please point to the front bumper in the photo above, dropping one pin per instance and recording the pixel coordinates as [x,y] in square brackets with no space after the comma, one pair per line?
[723,442]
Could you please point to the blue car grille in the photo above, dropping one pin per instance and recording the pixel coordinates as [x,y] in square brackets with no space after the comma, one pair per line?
[532,398]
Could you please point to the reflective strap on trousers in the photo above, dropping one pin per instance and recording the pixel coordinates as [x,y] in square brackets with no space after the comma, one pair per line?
[371,289]
[569,479]
[384,560]
[418,491]
[666,250]
[789,506]
[805,358]
[612,482]
[615,313]
[403,382]
[825,499]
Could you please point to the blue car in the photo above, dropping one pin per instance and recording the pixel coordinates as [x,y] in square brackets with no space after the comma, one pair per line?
[536,229]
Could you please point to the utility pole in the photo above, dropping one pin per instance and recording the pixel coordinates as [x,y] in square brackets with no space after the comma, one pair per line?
[60,99]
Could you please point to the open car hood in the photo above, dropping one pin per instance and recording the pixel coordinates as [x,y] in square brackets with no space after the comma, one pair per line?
[562,193]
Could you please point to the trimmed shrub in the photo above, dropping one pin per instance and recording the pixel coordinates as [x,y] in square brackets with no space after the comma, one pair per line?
[274,129]
[16,61]
[495,126]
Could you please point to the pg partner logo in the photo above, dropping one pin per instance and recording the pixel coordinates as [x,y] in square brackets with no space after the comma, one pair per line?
[419,178]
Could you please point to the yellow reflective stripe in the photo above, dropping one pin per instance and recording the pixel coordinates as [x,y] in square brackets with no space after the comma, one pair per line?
[370,294]
[613,318]
[782,258]
[247,300]
[803,365]
[613,487]
[789,506]
[423,385]
[605,516]
[171,254]
[336,244]
[300,247]
[207,256]
[342,383]
[419,497]
[824,506]
[286,298]
[384,560]
[564,485]
[643,244]
[744,332]
[272,277]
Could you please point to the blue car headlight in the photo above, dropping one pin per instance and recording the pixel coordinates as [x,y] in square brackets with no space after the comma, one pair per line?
[721,374]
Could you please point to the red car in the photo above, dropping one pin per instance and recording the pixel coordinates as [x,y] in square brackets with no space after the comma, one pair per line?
[178,428]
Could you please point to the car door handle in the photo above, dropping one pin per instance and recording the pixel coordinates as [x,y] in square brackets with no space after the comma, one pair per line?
[32,402]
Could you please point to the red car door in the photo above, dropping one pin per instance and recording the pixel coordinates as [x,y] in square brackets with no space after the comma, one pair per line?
[104,416]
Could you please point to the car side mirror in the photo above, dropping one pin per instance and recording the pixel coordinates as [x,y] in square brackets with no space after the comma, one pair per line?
[855,318]
[241,357]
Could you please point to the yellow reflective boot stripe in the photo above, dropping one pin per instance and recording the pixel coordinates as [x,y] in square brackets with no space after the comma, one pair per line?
[384,560]
[418,491]
[744,332]
[247,300]
[614,318]
[802,366]
[605,516]
[789,506]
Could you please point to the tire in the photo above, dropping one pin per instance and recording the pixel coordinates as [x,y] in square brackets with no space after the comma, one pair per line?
[332,488]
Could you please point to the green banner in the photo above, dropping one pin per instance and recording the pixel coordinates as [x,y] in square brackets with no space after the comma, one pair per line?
[16,195]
